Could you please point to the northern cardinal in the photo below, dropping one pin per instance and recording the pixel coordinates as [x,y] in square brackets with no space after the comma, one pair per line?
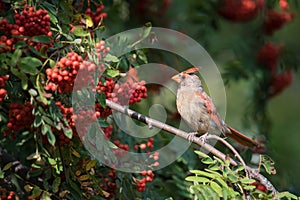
[198,110]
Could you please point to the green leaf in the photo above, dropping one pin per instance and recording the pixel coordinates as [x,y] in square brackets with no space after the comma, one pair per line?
[68,133]
[111,58]
[51,137]
[16,55]
[45,129]
[36,192]
[45,196]
[33,92]
[207,160]
[203,173]
[197,179]
[41,90]
[112,72]
[42,39]
[285,194]
[101,99]
[29,65]
[37,121]
[247,181]
[222,182]
[201,154]
[216,188]
[51,161]
[1,173]
[147,30]
[7,166]
[268,164]
[88,20]
[55,184]
[232,177]
[79,31]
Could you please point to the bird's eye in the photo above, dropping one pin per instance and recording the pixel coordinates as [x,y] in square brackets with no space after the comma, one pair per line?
[191,73]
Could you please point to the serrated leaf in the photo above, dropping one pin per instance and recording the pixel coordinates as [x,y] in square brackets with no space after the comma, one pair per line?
[46,196]
[285,194]
[79,31]
[247,181]
[222,182]
[197,179]
[84,177]
[45,129]
[207,160]
[32,92]
[37,121]
[216,188]
[51,137]
[29,65]
[68,133]
[90,164]
[111,58]
[88,20]
[55,184]
[7,166]
[42,39]
[268,164]
[101,99]
[112,72]
[233,178]
[75,153]
[51,161]
[203,173]
[36,192]
[249,187]
[201,154]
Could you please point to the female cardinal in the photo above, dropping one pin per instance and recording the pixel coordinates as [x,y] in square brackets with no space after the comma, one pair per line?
[198,110]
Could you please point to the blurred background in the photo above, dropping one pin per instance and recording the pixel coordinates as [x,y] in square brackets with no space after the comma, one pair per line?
[261,101]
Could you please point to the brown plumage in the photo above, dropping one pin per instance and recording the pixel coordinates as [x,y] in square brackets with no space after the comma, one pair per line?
[198,110]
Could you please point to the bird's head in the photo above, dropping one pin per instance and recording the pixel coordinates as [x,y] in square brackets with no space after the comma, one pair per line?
[188,78]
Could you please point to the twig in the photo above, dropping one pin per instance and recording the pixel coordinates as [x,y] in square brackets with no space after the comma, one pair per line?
[152,122]
[229,146]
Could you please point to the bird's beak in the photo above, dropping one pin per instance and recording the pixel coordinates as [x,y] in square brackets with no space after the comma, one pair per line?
[176,78]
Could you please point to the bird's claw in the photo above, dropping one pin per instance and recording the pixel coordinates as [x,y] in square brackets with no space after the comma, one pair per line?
[203,138]
[191,136]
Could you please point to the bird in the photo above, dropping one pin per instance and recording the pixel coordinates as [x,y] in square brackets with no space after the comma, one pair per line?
[198,110]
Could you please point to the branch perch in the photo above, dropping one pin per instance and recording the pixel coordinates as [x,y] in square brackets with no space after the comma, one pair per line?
[152,122]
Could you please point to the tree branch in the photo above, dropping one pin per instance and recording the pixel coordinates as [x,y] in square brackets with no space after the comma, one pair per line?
[152,122]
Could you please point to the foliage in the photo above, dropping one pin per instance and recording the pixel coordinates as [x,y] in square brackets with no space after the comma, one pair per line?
[44,45]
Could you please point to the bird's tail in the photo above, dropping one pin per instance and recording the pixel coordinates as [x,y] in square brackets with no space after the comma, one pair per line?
[241,138]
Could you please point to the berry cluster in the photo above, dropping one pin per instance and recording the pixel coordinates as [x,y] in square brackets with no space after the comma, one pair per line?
[148,177]
[20,117]
[240,10]
[7,194]
[3,92]
[260,187]
[280,81]
[28,22]
[129,92]
[97,16]
[276,19]
[61,78]
[123,148]
[68,115]
[107,131]
[269,53]
[109,182]
[144,146]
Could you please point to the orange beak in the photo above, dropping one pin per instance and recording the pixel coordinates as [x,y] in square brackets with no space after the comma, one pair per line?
[176,78]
